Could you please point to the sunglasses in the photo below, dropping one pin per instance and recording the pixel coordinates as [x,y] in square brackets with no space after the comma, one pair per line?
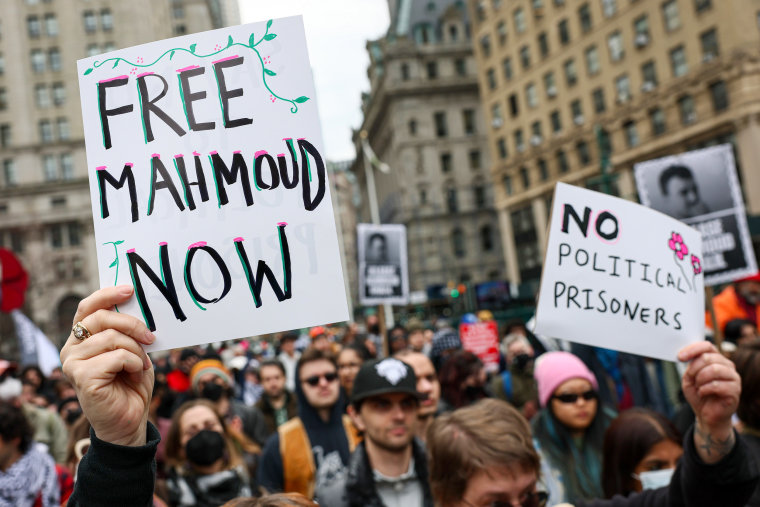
[573,397]
[314,379]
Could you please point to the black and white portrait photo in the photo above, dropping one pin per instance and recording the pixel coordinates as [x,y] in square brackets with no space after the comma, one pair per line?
[383,276]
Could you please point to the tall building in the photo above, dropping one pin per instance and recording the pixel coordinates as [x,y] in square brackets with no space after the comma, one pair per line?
[571,86]
[423,118]
[45,209]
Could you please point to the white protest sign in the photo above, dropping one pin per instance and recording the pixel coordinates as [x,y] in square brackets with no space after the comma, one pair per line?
[208,184]
[621,276]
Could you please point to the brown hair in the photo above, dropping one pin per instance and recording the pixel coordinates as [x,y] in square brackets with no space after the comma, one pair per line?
[470,439]
[277,500]
[310,355]
[79,430]
[747,361]
[175,455]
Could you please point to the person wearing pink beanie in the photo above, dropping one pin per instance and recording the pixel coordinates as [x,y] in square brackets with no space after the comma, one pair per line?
[569,430]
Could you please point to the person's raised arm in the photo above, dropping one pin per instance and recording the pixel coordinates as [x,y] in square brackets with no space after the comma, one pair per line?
[712,387]
[110,371]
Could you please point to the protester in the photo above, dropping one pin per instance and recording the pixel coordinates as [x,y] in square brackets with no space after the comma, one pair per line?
[251,388]
[277,403]
[427,385]
[179,378]
[641,451]
[350,359]
[747,361]
[516,384]
[389,468]
[27,475]
[739,332]
[309,453]
[277,500]
[205,467]
[69,410]
[463,380]
[397,340]
[740,300]
[445,342]
[569,429]
[416,336]
[289,358]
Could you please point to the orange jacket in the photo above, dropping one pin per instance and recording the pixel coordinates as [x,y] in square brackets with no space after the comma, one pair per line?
[727,307]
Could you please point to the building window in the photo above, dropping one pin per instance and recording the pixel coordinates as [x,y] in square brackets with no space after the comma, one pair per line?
[536,137]
[92,50]
[678,61]
[468,120]
[405,72]
[584,15]
[59,94]
[446,162]
[597,97]
[531,96]
[719,95]
[46,131]
[423,196]
[576,111]
[641,31]
[592,60]
[3,99]
[670,15]
[525,57]
[479,196]
[648,76]
[609,7]
[460,66]
[64,133]
[519,16]
[457,243]
[413,127]
[571,74]
[106,20]
[451,200]
[75,233]
[178,10]
[54,57]
[514,107]
[180,30]
[657,119]
[506,181]
[9,172]
[474,158]
[564,32]
[501,31]
[38,60]
[702,5]
[56,236]
[41,95]
[432,70]
[50,167]
[615,44]
[584,156]
[623,87]
[33,26]
[550,85]
[543,44]
[491,77]
[506,66]
[496,118]
[485,46]
[501,148]
[562,164]
[631,134]
[686,110]
[556,121]
[423,33]
[709,40]
[441,127]
[5,135]
[524,177]
[90,23]
[77,266]
[519,141]
[543,169]
[51,25]
[486,238]
[2,65]
[67,166]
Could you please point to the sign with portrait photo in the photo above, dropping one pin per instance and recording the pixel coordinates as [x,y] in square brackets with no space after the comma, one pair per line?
[701,188]
[383,275]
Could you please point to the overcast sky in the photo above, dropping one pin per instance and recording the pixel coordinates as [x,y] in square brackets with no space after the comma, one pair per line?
[336,32]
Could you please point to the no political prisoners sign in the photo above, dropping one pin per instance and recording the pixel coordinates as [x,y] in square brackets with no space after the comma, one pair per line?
[621,276]
[208,184]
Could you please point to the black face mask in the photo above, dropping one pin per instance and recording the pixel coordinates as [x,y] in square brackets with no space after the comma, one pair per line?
[205,448]
[521,361]
[212,391]
[73,415]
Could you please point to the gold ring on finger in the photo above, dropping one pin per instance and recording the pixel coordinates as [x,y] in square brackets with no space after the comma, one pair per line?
[80,331]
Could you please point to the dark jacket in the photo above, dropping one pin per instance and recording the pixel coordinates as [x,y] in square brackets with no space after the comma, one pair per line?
[360,482]
[752,438]
[268,411]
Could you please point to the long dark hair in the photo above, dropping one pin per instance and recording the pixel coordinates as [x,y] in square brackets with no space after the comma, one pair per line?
[627,441]
[454,372]
[580,466]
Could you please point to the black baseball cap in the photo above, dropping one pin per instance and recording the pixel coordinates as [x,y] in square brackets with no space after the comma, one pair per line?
[382,376]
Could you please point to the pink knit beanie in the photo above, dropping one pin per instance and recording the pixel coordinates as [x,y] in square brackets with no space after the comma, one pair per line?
[554,368]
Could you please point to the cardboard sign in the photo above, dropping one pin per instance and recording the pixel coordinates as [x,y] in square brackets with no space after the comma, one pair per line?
[383,271]
[208,184]
[482,339]
[701,188]
[621,276]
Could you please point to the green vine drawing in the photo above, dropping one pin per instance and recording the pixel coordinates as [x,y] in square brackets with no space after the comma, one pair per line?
[115,262]
[265,72]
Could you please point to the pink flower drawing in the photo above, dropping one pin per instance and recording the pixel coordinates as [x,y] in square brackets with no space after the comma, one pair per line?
[696,264]
[678,246]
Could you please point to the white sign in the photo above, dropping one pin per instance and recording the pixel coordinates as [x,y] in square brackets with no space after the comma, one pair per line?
[383,275]
[208,184]
[621,276]
[701,189]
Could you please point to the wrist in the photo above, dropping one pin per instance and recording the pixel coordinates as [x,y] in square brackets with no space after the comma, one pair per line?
[135,439]
[713,441]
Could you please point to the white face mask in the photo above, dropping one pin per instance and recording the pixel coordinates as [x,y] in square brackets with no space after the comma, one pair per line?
[655,479]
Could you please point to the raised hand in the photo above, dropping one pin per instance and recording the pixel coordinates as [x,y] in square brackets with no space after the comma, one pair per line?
[110,371]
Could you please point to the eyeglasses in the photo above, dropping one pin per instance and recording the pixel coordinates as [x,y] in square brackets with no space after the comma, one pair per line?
[314,379]
[534,499]
[573,397]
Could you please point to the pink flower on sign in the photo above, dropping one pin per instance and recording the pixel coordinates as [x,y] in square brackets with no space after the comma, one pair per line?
[678,246]
[696,264]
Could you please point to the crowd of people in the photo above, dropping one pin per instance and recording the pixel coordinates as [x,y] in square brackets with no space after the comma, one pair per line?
[344,416]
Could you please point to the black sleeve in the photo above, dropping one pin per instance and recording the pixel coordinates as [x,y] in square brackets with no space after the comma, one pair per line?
[269,474]
[112,474]
[728,483]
